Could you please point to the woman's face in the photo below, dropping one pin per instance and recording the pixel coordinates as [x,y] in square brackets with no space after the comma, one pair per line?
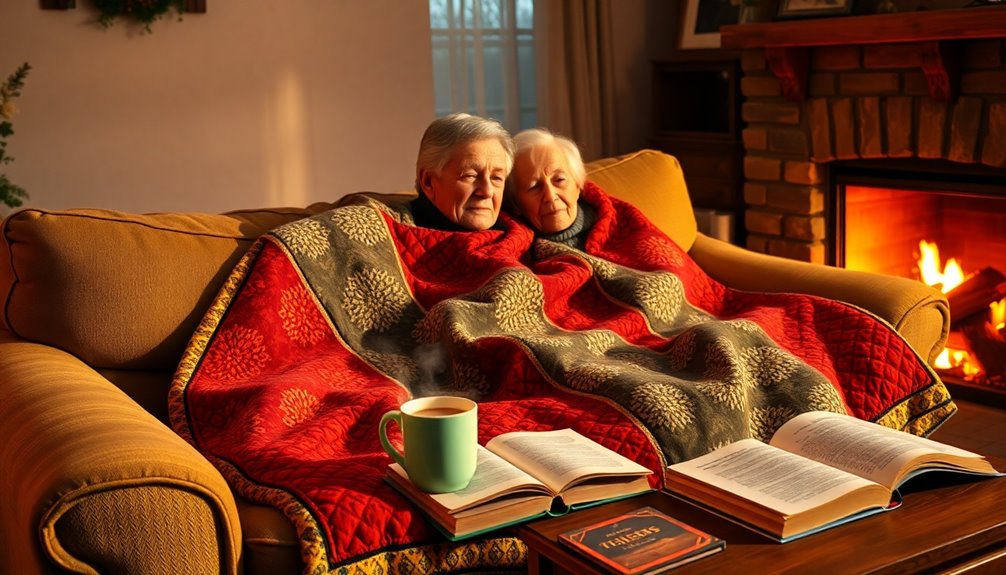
[469,189]
[544,191]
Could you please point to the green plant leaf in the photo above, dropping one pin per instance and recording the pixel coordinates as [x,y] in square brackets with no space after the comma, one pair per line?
[10,193]
[145,12]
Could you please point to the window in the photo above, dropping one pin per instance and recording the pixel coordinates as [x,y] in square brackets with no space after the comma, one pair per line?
[483,59]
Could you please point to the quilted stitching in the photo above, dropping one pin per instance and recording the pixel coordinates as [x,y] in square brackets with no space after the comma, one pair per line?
[289,413]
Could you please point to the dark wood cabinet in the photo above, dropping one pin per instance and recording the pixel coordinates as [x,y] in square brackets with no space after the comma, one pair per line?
[697,120]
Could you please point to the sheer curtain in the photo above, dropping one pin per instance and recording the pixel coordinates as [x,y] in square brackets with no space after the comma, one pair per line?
[528,63]
[483,59]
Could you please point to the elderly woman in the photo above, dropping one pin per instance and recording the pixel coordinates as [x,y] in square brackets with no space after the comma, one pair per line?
[461,171]
[545,185]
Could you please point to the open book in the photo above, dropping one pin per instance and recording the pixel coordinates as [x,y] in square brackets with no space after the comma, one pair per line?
[526,474]
[820,469]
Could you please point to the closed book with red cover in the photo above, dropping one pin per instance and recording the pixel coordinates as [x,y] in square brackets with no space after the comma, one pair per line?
[643,541]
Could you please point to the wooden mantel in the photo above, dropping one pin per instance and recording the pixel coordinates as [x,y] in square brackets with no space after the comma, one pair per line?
[936,33]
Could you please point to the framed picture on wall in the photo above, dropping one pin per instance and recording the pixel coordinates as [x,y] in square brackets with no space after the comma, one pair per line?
[701,21]
[815,8]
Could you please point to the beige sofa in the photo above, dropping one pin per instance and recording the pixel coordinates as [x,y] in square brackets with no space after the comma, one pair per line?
[98,306]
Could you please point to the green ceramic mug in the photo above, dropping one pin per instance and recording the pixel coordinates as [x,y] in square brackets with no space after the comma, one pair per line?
[440,436]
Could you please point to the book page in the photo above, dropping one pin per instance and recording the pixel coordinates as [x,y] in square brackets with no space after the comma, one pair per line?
[561,457]
[866,449]
[771,477]
[493,477]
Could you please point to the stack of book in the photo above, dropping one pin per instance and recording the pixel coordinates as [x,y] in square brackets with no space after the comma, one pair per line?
[524,475]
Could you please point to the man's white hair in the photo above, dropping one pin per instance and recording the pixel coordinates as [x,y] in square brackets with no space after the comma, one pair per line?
[444,134]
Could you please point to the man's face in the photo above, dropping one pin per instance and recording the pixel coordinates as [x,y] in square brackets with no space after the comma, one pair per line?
[544,190]
[469,189]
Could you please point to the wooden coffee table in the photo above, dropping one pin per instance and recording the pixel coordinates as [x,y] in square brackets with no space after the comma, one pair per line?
[946,524]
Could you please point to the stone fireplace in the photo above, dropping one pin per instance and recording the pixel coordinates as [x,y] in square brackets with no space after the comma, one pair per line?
[847,114]
[864,103]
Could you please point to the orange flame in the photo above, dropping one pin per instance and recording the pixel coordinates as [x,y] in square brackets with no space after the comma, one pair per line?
[943,361]
[929,268]
[998,314]
[952,275]
[959,359]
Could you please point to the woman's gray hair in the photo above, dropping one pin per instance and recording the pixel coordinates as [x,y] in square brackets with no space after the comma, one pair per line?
[446,133]
[528,139]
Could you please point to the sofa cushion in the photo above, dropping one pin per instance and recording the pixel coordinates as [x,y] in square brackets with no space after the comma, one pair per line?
[120,290]
[126,291]
[653,182]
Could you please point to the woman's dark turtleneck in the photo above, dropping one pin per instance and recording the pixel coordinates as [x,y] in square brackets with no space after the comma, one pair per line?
[576,234]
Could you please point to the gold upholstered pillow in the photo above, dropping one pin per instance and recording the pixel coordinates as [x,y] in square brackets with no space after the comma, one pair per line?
[653,182]
[121,290]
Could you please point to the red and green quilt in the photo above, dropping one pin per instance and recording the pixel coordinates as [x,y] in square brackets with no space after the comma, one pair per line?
[331,321]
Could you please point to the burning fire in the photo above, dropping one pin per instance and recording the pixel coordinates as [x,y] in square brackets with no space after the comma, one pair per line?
[998,314]
[957,359]
[929,267]
[951,276]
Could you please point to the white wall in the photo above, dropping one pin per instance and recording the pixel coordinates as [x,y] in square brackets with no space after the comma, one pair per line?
[255,103]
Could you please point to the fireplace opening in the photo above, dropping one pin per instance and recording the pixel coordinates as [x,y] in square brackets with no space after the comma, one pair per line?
[943,224]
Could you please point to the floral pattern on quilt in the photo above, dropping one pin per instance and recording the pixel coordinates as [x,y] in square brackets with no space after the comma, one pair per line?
[331,321]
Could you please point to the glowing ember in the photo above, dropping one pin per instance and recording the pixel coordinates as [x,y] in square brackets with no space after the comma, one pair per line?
[929,267]
[998,314]
[957,359]
[943,361]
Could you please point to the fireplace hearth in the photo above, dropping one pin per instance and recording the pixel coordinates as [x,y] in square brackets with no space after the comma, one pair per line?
[925,86]
[945,226]
[879,210]
[912,105]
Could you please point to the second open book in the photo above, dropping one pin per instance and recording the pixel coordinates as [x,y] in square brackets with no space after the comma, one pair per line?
[820,470]
[526,474]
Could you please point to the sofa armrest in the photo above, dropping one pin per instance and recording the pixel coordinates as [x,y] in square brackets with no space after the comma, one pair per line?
[93,483]
[919,312]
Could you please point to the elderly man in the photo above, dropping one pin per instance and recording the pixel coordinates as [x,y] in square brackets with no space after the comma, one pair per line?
[461,170]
